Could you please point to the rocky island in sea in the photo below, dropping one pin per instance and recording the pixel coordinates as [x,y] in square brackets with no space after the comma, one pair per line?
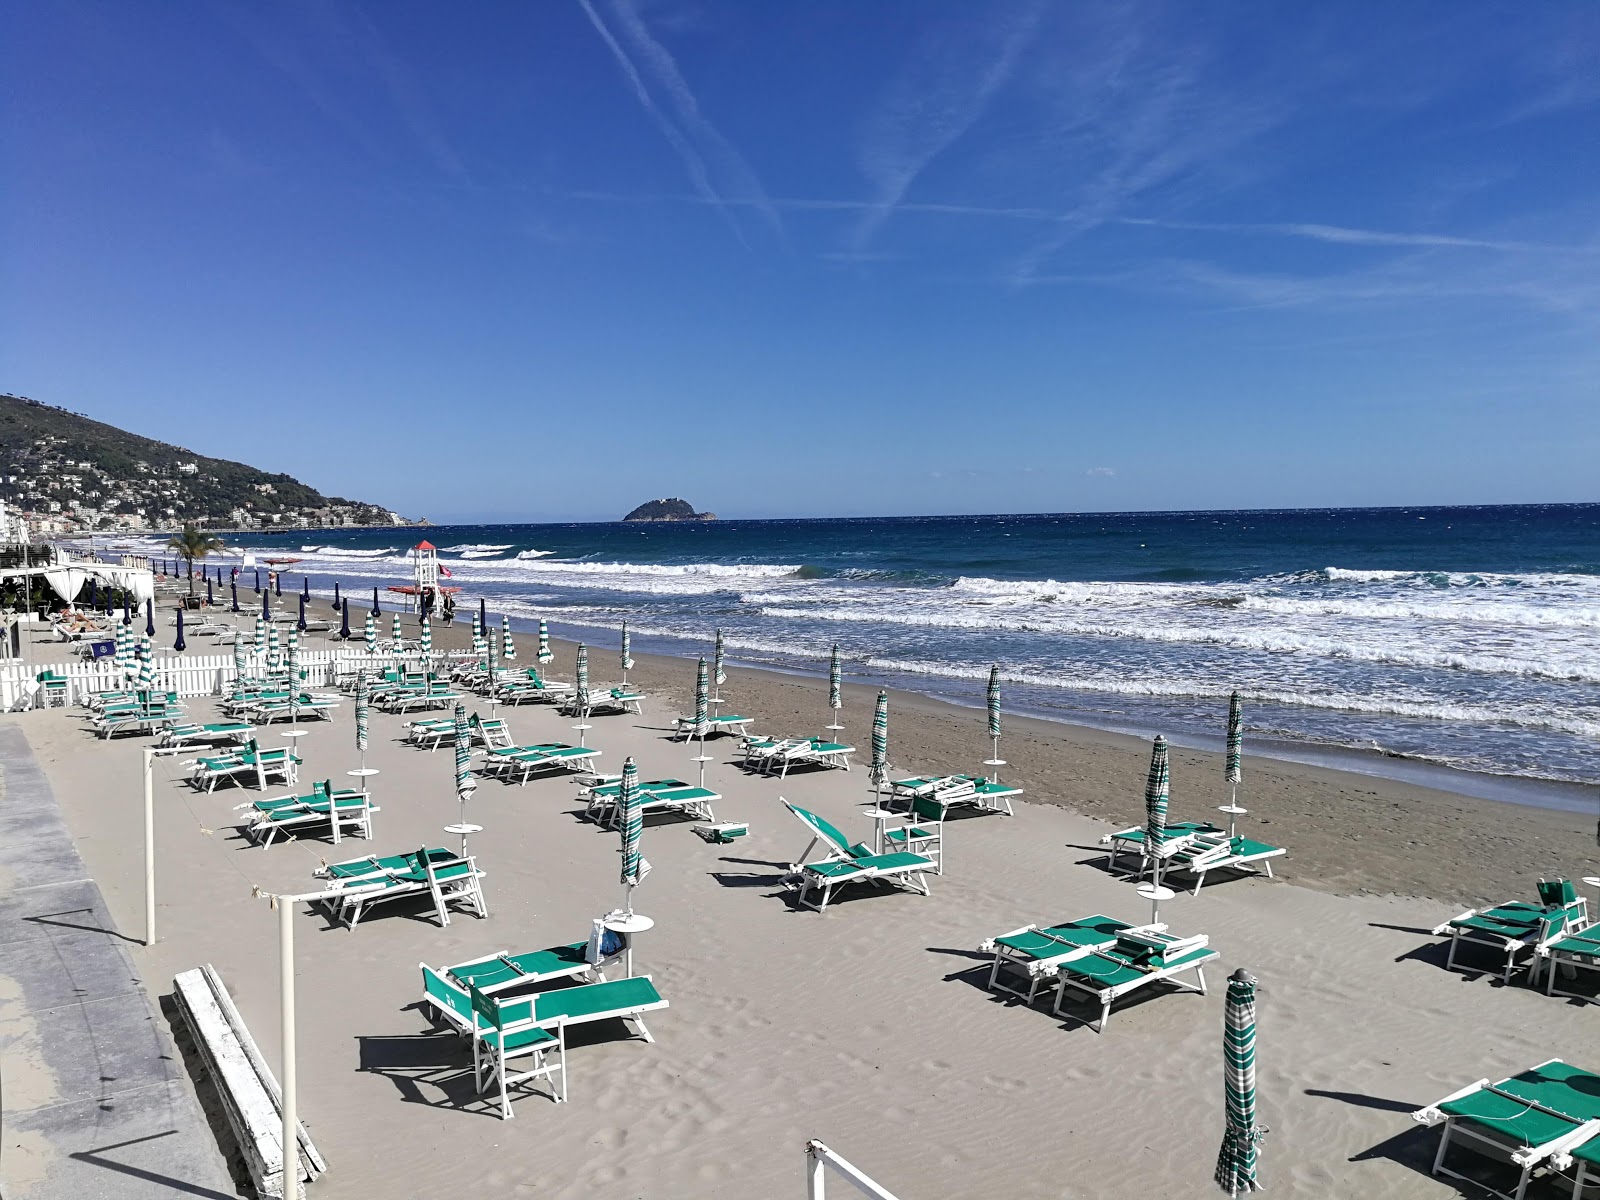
[671,509]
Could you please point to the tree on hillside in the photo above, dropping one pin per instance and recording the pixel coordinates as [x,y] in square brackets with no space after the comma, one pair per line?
[191,544]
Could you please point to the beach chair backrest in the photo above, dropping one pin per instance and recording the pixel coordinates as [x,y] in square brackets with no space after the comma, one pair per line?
[441,990]
[930,808]
[822,828]
[1557,893]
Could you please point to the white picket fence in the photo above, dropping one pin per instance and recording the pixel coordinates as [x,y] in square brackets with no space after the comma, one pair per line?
[187,674]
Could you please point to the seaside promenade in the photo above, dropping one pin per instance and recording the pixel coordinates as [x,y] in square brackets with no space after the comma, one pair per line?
[868,1027]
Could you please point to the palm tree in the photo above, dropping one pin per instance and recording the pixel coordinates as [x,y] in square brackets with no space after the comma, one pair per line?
[191,544]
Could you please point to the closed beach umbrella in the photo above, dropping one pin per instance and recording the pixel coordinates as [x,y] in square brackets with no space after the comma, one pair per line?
[127,611]
[483,614]
[396,634]
[123,661]
[257,573]
[274,649]
[371,634]
[363,714]
[266,605]
[627,652]
[702,699]
[581,680]
[465,783]
[1156,796]
[344,620]
[238,664]
[149,618]
[508,648]
[992,702]
[1236,1163]
[337,602]
[630,820]
[301,623]
[293,660]
[375,609]
[259,646]
[211,596]
[878,772]
[718,675]
[94,594]
[277,583]
[544,642]
[178,643]
[835,686]
[305,586]
[1233,769]
[426,638]
[147,665]
[233,587]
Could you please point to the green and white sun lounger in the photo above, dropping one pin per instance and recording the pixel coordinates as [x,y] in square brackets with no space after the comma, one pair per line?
[1568,953]
[847,863]
[1034,950]
[656,795]
[494,733]
[251,763]
[604,700]
[345,812]
[769,756]
[358,884]
[974,791]
[495,1039]
[727,723]
[1587,1159]
[500,971]
[523,762]
[219,733]
[432,731]
[1218,852]
[1539,1118]
[1132,841]
[1137,959]
[1517,928]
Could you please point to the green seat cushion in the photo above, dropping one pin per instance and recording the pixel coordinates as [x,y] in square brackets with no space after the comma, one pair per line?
[1559,1086]
[893,862]
[1098,930]
[494,972]
[1107,970]
[833,870]
[588,1000]
[1175,829]
[1587,943]
[524,1038]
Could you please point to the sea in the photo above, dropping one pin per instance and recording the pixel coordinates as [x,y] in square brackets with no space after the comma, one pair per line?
[1462,641]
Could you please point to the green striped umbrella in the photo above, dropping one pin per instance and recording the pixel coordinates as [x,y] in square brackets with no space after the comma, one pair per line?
[627,653]
[147,665]
[992,702]
[465,783]
[363,714]
[878,772]
[1241,1141]
[508,648]
[396,634]
[371,633]
[1156,796]
[718,675]
[258,648]
[630,820]
[123,660]
[835,684]
[238,664]
[544,642]
[294,671]
[581,680]
[1232,771]
[702,702]
[274,650]
[426,638]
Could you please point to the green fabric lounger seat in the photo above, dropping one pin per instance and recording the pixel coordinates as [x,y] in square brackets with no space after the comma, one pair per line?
[971,791]
[791,752]
[1571,953]
[1033,950]
[604,700]
[216,733]
[442,876]
[497,972]
[847,863]
[1137,959]
[1587,1159]
[1517,927]
[500,1034]
[657,795]
[250,763]
[523,762]
[728,723]
[1203,852]
[344,812]
[1534,1119]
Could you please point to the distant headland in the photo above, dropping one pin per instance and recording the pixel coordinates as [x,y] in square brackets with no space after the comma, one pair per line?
[671,509]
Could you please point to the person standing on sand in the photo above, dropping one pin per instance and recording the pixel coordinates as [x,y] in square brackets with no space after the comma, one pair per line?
[449,609]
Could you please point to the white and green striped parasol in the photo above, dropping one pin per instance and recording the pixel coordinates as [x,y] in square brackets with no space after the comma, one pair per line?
[581,680]
[396,635]
[370,634]
[702,702]
[466,784]
[293,660]
[1241,1141]
[508,648]
[630,820]
[238,665]
[258,647]
[835,680]
[147,665]
[878,772]
[1232,771]
[718,675]
[1156,796]
[425,636]
[627,652]
[992,703]
[544,642]
[363,714]
[122,662]
[274,649]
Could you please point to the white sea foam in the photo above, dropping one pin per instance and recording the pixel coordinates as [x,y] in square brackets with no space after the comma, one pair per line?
[473,548]
[529,554]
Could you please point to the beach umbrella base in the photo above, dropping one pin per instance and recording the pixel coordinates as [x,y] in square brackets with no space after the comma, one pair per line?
[627,922]
[1155,893]
[363,772]
[1234,812]
[582,730]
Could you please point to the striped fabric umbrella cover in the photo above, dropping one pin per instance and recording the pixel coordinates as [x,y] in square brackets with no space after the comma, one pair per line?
[274,649]
[718,675]
[293,660]
[993,701]
[396,634]
[878,772]
[1241,1141]
[627,648]
[581,678]
[1233,770]
[630,820]
[258,647]
[239,669]
[147,665]
[466,784]
[508,648]
[835,680]
[544,641]
[123,661]
[702,699]
[1156,795]
[425,636]
[370,633]
[363,713]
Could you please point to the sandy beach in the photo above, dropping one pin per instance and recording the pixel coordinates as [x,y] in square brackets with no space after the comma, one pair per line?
[868,1027]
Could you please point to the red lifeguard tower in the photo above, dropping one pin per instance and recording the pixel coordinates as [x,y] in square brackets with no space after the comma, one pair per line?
[425,575]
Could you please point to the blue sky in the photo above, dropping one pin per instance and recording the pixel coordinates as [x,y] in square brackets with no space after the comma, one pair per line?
[513,261]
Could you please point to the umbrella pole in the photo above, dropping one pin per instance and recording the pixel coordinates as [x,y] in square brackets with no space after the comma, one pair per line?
[995,761]
[701,760]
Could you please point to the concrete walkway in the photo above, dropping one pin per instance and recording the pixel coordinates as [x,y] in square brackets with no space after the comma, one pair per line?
[94,1097]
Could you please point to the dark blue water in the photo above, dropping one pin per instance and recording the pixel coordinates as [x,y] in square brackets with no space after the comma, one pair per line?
[1468,637]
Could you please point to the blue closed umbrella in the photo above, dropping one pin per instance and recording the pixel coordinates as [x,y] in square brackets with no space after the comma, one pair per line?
[344,621]
[94,593]
[211,597]
[483,614]
[178,642]
[375,609]
[258,578]
[336,601]
[127,612]
[305,587]
[266,605]
[277,583]
[233,585]
[149,618]
[301,623]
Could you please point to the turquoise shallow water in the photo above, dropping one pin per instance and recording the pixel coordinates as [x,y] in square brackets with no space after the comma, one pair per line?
[1468,637]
